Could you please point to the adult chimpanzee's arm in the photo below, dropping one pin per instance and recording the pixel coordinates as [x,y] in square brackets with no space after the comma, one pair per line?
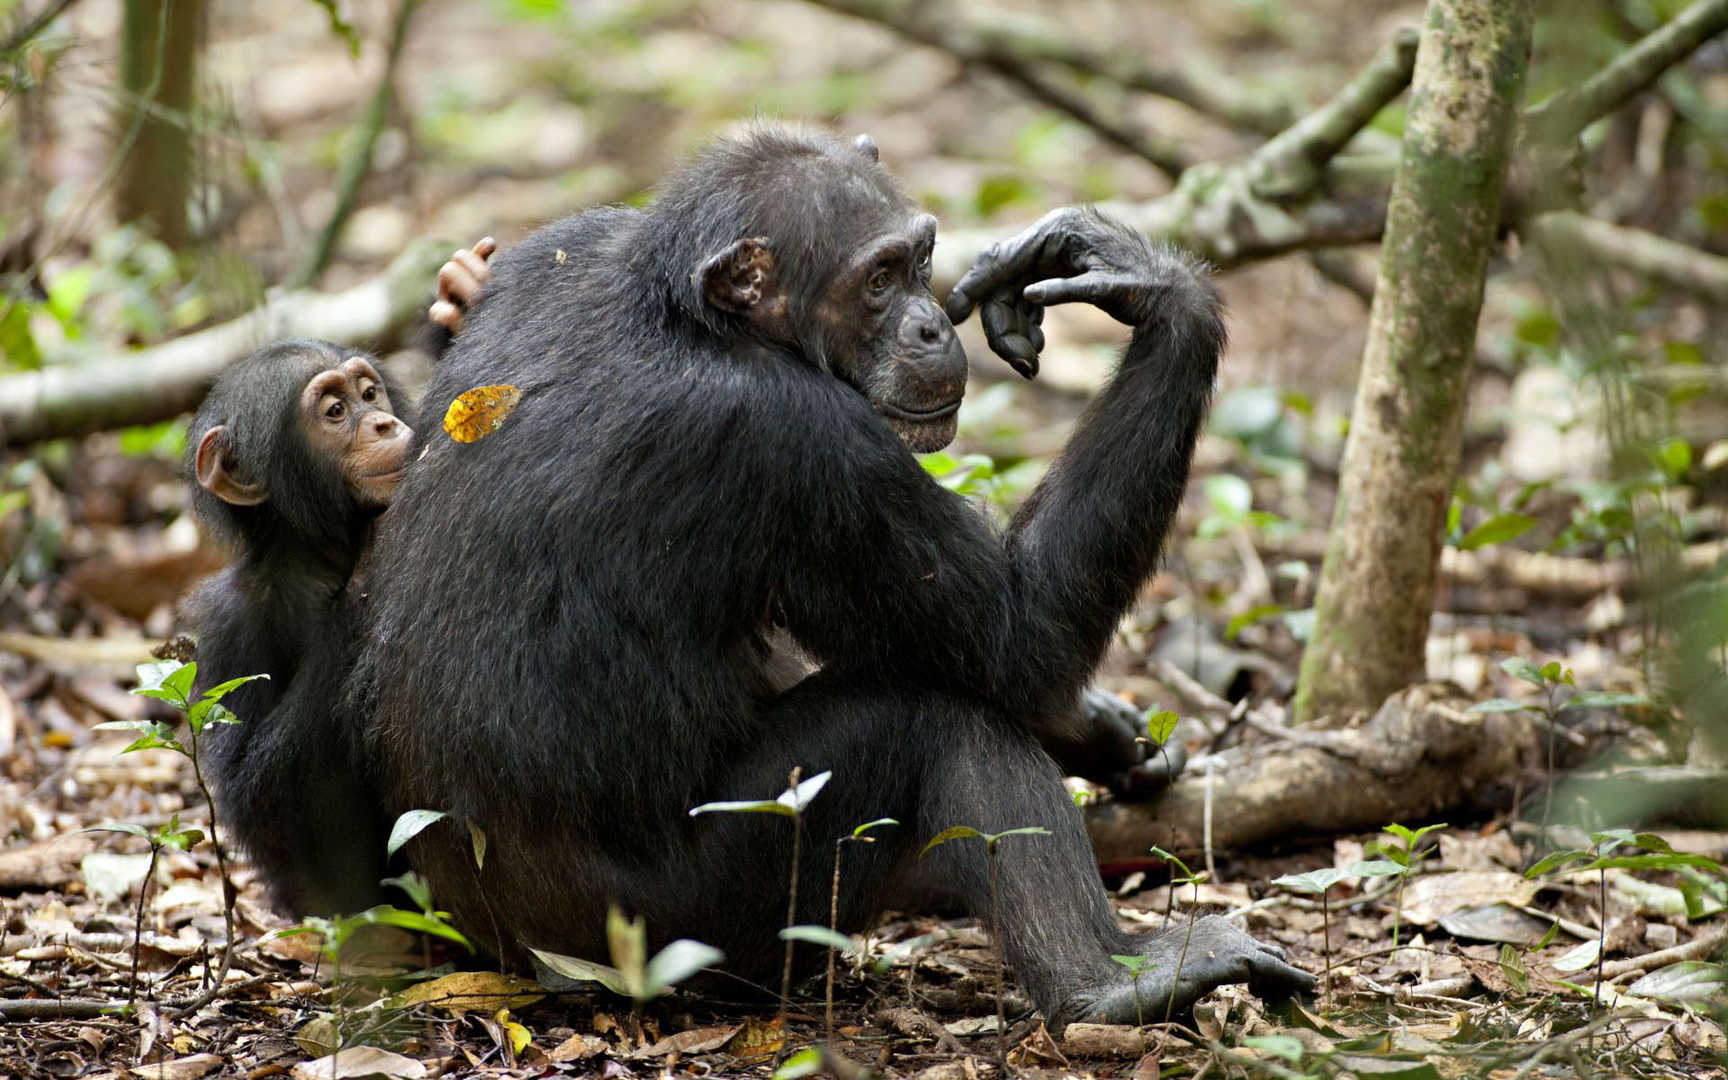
[1091,533]
[895,570]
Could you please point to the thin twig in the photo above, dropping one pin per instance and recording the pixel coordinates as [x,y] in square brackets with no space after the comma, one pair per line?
[33,26]
[1641,252]
[357,162]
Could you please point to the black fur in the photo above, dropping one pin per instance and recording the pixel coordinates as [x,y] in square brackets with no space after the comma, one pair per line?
[572,615]
[290,780]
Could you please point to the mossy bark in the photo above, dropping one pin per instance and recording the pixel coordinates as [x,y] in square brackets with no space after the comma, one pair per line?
[158,75]
[1377,586]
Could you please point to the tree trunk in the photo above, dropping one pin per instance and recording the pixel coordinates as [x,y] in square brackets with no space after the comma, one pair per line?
[1377,585]
[158,64]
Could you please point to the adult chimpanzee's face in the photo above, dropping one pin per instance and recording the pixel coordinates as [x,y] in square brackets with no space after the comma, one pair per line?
[883,331]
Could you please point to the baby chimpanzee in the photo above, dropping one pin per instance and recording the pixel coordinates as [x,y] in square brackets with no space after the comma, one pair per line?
[294,453]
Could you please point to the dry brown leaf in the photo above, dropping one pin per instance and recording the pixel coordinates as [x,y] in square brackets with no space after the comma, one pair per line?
[579,1048]
[182,1068]
[695,1041]
[473,991]
[479,412]
[757,1038]
[357,1062]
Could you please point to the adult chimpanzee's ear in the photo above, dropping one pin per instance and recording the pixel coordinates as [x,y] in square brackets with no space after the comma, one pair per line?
[865,145]
[741,279]
[211,467]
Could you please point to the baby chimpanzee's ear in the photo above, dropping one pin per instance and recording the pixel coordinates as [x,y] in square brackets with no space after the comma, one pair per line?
[741,279]
[214,469]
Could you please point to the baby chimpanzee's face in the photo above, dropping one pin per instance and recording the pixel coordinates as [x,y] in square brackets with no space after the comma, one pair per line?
[345,414]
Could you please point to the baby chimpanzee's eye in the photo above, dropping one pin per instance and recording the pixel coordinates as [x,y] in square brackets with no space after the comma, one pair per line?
[369,394]
[335,411]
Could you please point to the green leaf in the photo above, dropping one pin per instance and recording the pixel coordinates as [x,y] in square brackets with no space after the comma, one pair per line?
[1520,668]
[1374,868]
[1601,699]
[1512,967]
[1248,618]
[1229,495]
[1497,530]
[1553,672]
[678,961]
[341,27]
[126,827]
[1554,860]
[1687,981]
[1135,964]
[1454,520]
[477,843]
[748,806]
[806,1062]
[819,935]
[1025,830]
[1161,725]
[1157,852]
[587,971]
[952,832]
[797,798]
[868,825]
[1283,1046]
[17,345]
[408,826]
[1675,457]
[1655,862]
[221,690]
[414,920]
[1500,705]
[167,680]
[183,839]
[1314,881]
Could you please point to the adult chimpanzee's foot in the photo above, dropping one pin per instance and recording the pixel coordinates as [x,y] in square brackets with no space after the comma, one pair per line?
[1218,954]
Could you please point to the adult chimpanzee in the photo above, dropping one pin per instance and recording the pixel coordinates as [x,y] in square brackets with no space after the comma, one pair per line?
[573,616]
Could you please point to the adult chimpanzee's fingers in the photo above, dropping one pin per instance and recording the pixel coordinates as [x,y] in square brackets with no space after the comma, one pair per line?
[1088,287]
[1005,330]
[1273,977]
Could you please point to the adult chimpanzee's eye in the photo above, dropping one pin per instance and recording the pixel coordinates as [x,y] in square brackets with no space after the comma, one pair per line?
[335,411]
[925,267]
[881,280]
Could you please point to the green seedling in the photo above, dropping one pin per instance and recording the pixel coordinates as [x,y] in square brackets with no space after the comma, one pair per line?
[790,803]
[1549,678]
[632,973]
[838,942]
[1600,858]
[1193,880]
[1136,965]
[1400,858]
[171,681]
[1318,882]
[991,842]
[335,932]
[170,835]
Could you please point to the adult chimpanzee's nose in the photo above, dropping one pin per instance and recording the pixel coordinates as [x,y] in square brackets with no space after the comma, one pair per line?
[929,333]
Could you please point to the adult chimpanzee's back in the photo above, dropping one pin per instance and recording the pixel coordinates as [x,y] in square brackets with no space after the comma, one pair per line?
[574,616]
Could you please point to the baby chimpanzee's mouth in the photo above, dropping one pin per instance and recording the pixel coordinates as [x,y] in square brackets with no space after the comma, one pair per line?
[919,416]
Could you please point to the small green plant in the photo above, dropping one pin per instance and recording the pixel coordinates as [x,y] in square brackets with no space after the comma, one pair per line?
[790,803]
[1136,965]
[1400,858]
[838,942]
[171,681]
[632,973]
[1550,678]
[1193,880]
[334,933]
[170,835]
[1318,882]
[991,842]
[1600,858]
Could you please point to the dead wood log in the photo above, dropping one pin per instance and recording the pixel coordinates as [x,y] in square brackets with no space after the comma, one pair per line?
[1420,757]
[168,379]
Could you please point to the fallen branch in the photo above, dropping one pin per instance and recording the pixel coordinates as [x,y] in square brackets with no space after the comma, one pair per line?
[168,379]
[1421,756]
[1641,252]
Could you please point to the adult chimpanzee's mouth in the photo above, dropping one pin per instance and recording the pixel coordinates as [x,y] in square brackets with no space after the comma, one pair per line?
[919,416]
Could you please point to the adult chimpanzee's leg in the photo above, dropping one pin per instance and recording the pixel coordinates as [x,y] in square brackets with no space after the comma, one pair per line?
[930,761]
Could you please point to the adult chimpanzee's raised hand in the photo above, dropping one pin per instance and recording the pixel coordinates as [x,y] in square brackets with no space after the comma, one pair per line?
[1068,255]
